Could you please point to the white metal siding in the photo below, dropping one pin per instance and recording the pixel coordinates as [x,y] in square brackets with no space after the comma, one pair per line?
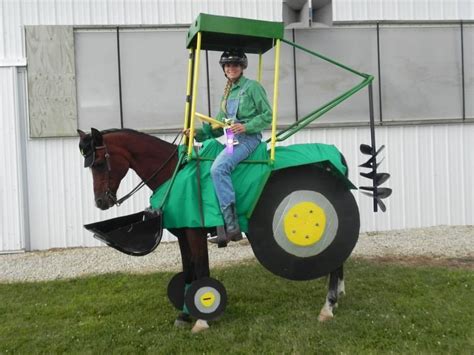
[14,14]
[432,174]
[402,10]
[11,209]
[432,166]
[60,195]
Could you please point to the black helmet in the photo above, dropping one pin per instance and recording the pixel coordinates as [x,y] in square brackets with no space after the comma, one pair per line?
[235,56]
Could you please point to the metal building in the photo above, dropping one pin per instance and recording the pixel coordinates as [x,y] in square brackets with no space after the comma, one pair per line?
[425,108]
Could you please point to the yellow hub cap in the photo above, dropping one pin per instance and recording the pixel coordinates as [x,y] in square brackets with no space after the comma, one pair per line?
[207,299]
[305,223]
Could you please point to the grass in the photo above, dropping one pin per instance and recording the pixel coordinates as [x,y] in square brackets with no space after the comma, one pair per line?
[388,308]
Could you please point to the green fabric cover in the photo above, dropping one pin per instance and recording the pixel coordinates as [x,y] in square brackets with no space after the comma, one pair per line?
[181,208]
[301,154]
[182,205]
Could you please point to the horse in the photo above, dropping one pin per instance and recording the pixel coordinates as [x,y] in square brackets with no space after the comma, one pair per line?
[111,153]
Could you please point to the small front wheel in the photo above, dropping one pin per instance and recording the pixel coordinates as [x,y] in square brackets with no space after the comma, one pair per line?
[206,298]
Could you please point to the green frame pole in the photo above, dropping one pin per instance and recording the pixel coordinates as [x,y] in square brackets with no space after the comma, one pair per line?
[303,122]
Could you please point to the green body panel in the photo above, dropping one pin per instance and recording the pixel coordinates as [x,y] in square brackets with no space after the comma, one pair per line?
[220,33]
[182,205]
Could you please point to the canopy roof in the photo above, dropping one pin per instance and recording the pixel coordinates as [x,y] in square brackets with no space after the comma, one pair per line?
[220,33]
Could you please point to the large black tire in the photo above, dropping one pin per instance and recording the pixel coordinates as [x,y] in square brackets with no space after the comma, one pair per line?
[305,224]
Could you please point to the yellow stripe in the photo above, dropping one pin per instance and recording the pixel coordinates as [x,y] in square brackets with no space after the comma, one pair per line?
[260,66]
[195,86]
[275,99]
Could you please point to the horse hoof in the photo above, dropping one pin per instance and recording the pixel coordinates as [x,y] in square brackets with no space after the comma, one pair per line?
[200,326]
[325,316]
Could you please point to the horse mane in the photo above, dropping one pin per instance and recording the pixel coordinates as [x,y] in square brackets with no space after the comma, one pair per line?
[126,130]
[132,131]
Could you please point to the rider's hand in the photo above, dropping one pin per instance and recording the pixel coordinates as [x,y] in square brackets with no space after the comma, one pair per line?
[238,128]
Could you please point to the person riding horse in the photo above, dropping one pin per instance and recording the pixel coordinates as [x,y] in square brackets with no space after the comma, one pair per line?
[245,105]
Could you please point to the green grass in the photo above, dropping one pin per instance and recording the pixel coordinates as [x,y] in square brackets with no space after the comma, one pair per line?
[387,308]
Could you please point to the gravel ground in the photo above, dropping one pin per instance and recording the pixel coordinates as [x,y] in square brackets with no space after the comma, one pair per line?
[439,243]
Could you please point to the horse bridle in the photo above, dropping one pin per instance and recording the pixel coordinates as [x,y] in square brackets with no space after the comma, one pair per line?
[110,194]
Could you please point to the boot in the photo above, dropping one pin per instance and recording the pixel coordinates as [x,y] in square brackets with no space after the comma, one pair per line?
[232,228]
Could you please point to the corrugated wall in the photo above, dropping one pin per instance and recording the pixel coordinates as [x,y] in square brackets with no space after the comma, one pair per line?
[432,174]
[61,196]
[402,10]
[11,207]
[14,14]
[432,166]
[59,192]
[432,171]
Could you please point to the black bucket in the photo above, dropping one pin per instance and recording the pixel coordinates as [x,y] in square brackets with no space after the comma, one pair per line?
[135,234]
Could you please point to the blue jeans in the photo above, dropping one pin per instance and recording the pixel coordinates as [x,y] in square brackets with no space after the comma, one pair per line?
[225,163]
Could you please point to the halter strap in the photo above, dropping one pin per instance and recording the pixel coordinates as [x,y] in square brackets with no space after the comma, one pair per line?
[107,155]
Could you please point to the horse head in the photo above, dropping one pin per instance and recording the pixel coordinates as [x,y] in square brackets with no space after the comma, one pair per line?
[108,163]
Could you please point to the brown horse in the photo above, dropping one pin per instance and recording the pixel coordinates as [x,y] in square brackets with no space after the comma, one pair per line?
[111,153]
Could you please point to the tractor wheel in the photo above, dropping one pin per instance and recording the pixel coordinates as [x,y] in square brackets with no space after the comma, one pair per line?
[305,223]
[206,298]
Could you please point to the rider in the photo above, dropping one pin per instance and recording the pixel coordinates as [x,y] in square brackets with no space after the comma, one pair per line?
[244,104]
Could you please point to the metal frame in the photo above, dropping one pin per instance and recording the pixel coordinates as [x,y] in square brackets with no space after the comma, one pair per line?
[193,77]
[276,79]
[303,122]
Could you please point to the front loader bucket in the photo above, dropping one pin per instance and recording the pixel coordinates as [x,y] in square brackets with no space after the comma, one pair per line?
[135,234]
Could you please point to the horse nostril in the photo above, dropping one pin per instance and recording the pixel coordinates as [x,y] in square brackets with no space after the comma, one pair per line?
[102,203]
[99,202]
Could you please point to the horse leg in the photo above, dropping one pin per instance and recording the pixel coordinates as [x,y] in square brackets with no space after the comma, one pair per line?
[184,319]
[197,241]
[336,288]
[341,289]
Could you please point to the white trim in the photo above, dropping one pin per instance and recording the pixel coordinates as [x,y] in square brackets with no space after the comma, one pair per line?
[12,62]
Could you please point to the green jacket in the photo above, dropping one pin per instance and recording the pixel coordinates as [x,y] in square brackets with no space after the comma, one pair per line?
[254,110]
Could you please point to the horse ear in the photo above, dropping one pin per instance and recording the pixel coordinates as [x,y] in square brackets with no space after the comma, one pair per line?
[96,137]
[82,134]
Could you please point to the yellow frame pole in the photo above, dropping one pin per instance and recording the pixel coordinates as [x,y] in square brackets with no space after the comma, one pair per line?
[260,65]
[188,90]
[197,54]
[275,99]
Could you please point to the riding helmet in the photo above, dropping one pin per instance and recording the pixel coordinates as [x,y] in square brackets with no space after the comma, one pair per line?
[234,56]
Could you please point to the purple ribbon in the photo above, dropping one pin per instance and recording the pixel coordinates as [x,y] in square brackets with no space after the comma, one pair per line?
[229,143]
